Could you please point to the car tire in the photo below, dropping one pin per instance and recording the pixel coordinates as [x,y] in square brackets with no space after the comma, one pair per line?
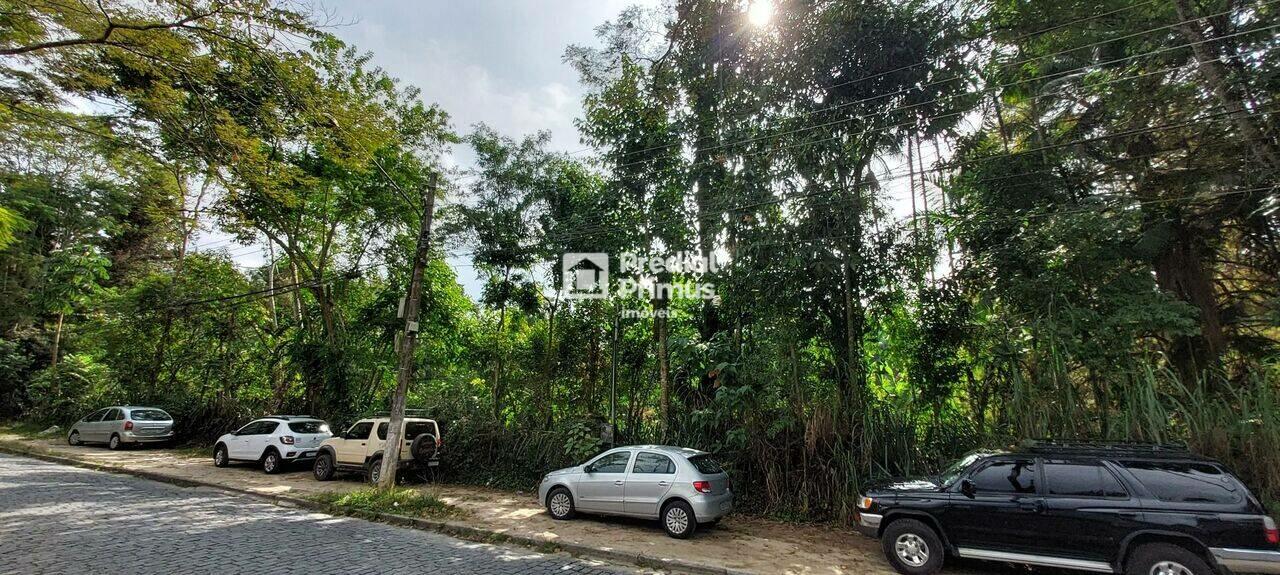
[560,504]
[220,457]
[323,468]
[912,547]
[678,520]
[74,438]
[272,463]
[374,472]
[1155,558]
[114,442]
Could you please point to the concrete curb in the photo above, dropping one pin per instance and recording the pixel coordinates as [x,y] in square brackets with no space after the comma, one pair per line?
[451,528]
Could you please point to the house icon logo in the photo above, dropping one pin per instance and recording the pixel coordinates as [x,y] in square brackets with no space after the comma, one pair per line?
[586,275]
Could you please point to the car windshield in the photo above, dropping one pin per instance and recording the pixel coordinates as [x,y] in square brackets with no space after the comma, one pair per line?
[706,464]
[149,415]
[952,472]
[312,426]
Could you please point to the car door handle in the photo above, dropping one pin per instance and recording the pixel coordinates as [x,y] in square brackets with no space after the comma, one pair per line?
[663,483]
[1034,506]
[619,482]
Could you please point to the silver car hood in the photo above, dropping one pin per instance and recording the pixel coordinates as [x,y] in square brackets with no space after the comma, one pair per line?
[566,471]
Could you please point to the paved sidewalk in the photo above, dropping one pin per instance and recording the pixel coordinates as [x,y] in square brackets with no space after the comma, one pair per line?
[738,545]
[61,519]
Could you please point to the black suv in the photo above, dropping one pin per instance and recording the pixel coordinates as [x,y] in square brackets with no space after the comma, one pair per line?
[1136,509]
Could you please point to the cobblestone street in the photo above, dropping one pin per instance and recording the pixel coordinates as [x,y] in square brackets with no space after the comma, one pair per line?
[61,519]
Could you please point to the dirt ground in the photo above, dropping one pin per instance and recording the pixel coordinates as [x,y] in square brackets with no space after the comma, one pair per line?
[738,542]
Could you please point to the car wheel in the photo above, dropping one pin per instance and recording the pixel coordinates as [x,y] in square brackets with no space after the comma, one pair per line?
[1166,559]
[271,462]
[74,438]
[560,504]
[912,547]
[220,458]
[374,472]
[678,520]
[114,443]
[323,469]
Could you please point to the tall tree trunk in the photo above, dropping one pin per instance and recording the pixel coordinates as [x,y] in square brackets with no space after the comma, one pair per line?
[1181,270]
[496,387]
[660,327]
[57,341]
[1217,76]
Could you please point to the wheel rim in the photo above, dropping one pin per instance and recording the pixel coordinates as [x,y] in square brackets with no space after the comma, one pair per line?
[115,441]
[913,551]
[271,462]
[75,438]
[376,473]
[322,466]
[677,520]
[219,457]
[1169,568]
[560,504]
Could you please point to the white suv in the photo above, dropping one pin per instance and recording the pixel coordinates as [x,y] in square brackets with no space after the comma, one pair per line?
[272,441]
[360,448]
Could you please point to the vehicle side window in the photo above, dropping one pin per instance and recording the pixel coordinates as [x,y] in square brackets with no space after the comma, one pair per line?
[360,430]
[1081,479]
[653,463]
[382,431]
[613,463]
[112,415]
[1006,477]
[248,429]
[267,427]
[1184,482]
[95,416]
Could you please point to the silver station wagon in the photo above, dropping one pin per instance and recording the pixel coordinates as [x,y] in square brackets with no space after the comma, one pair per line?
[681,487]
[123,424]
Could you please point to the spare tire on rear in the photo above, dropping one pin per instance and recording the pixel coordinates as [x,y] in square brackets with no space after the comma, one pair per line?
[423,447]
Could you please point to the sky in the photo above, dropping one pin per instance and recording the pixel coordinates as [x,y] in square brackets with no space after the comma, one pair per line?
[492,61]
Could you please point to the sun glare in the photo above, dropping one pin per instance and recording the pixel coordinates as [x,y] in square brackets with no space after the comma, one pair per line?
[760,12]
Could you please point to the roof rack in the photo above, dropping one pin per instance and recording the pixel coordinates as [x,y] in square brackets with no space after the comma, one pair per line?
[1133,448]
[287,417]
[407,413]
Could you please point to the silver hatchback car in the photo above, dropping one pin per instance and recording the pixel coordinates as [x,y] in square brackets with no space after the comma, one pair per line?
[681,487]
[121,424]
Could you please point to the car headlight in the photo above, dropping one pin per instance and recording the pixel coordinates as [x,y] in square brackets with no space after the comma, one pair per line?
[865,502]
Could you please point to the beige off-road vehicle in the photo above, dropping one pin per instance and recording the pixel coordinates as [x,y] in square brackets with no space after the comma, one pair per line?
[360,448]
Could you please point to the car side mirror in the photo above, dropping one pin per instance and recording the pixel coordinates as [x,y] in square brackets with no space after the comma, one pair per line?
[967,488]
[590,468]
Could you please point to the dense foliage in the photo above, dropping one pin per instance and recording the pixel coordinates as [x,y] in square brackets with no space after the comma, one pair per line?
[944,225]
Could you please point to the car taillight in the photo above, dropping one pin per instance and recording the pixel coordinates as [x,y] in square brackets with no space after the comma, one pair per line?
[439,443]
[286,439]
[702,486]
[128,425]
[1273,535]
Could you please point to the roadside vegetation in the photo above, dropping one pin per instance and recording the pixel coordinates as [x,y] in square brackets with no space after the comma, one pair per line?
[399,501]
[949,225]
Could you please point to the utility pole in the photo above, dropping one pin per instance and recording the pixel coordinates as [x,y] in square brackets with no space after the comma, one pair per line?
[408,341]
[613,379]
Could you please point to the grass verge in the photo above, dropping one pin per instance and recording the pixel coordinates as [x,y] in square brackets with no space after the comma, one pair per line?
[399,501]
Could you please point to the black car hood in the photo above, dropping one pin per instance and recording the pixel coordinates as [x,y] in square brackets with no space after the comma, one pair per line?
[905,485]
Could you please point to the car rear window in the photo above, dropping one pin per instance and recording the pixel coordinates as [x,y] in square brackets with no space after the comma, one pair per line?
[706,464]
[416,428]
[1185,482]
[308,427]
[149,415]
